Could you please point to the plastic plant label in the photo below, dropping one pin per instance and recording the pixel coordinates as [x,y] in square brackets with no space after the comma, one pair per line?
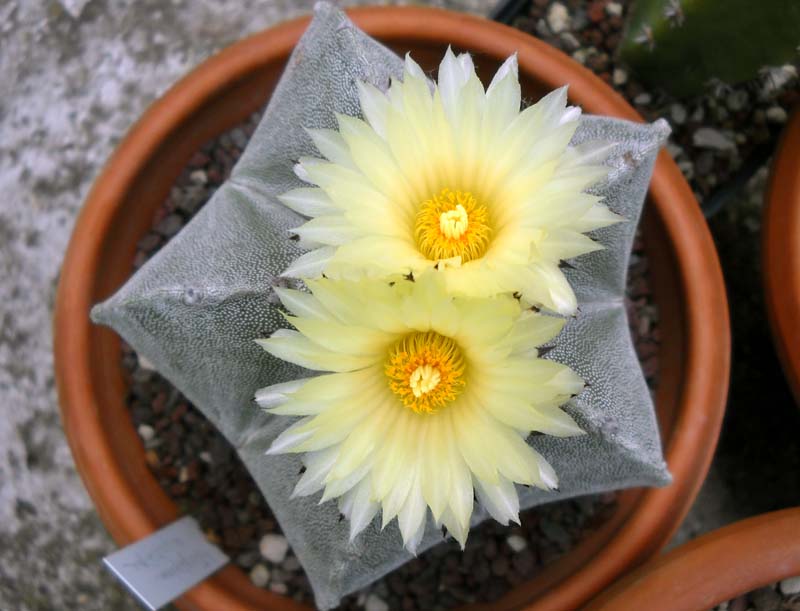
[161,567]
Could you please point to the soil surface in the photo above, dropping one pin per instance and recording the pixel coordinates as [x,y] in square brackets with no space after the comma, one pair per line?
[782,596]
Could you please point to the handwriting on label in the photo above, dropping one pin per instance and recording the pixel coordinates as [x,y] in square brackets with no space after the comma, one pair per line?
[161,567]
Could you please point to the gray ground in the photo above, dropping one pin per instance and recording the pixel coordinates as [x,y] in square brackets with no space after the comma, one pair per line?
[74,75]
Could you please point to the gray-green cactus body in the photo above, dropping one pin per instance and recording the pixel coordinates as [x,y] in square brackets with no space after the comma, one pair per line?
[195,308]
[682,45]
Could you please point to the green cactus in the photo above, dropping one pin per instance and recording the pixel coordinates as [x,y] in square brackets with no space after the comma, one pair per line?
[682,45]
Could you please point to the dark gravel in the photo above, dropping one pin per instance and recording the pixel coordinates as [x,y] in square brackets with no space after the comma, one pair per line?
[783,596]
[714,135]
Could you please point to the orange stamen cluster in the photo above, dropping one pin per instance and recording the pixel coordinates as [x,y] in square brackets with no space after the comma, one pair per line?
[452,224]
[426,371]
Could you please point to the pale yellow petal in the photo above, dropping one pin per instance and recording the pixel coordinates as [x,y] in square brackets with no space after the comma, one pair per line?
[300,351]
[308,202]
[344,339]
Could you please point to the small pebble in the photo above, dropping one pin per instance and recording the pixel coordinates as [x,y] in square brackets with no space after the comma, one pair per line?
[738,100]
[151,458]
[738,604]
[278,588]
[516,543]
[239,137]
[580,56]
[790,586]
[170,225]
[699,114]
[541,29]
[145,364]
[570,42]
[675,150]
[776,114]
[678,113]
[259,575]
[766,599]
[710,138]
[614,9]
[375,603]
[619,77]
[687,168]
[146,432]
[274,547]
[199,177]
[558,18]
[595,11]
[776,79]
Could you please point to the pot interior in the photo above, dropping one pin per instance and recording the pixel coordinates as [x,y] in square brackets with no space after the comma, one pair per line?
[147,188]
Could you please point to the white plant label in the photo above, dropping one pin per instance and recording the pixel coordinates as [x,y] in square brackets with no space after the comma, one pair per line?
[161,567]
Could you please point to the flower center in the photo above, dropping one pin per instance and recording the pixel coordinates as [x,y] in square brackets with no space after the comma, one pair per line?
[426,371]
[452,224]
[424,379]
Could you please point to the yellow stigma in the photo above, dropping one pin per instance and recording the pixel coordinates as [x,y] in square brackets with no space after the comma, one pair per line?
[425,371]
[452,224]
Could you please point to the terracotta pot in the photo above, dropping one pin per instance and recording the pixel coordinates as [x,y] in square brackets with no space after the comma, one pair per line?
[781,252]
[224,91]
[717,567]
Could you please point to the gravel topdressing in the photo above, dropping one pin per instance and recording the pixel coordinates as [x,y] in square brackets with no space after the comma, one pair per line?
[781,596]
[714,135]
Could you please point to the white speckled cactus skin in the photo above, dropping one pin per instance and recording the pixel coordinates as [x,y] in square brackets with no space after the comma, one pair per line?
[195,308]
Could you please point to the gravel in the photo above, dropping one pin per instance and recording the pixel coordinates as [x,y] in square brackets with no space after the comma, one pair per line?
[259,575]
[558,18]
[273,548]
[790,586]
[768,598]
[729,122]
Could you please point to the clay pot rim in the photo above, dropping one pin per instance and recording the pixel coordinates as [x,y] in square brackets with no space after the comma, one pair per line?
[780,249]
[688,452]
[714,568]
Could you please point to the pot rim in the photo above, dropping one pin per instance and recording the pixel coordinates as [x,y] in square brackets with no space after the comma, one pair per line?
[714,568]
[688,451]
[780,249]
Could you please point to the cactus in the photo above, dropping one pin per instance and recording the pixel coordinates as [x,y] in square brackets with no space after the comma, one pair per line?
[195,308]
[682,45]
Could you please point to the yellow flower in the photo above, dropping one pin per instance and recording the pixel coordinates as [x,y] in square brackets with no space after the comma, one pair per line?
[452,177]
[428,400]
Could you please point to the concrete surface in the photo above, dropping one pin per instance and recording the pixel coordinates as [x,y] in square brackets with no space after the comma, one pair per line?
[74,75]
